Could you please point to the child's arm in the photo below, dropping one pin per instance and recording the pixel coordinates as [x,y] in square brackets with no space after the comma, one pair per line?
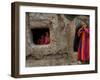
[79,31]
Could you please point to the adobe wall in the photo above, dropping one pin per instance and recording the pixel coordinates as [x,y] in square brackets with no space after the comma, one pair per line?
[58,37]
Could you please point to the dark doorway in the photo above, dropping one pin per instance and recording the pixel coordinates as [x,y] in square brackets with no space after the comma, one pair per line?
[40,36]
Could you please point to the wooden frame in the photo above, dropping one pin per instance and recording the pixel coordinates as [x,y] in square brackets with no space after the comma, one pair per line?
[15,32]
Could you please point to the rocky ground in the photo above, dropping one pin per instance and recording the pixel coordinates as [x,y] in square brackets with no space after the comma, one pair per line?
[50,60]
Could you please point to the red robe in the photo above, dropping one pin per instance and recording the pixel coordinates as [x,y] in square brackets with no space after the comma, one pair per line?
[83,49]
[47,40]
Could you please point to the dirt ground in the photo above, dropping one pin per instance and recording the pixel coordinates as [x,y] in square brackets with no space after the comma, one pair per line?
[51,60]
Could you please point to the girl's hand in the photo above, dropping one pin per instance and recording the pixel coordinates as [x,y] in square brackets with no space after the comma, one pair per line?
[79,31]
[86,30]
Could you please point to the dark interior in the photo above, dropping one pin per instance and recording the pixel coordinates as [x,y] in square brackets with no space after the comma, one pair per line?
[40,36]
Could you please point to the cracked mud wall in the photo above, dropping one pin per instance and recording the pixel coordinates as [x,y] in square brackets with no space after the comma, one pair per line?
[58,41]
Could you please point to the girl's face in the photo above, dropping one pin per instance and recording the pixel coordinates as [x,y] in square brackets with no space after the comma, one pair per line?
[47,34]
[83,25]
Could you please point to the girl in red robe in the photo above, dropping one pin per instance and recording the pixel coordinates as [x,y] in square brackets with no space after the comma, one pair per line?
[83,49]
[46,38]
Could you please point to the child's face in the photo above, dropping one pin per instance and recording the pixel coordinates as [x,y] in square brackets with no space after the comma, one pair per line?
[42,37]
[84,25]
[47,34]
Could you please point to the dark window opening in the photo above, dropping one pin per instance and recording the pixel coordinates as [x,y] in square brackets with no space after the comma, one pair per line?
[40,36]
